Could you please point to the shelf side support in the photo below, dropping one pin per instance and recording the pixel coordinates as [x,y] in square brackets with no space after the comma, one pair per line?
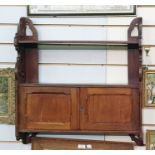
[135,53]
[27,60]
[26,69]
[135,71]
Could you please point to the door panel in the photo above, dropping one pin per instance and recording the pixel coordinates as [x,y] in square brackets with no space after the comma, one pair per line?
[108,109]
[48,108]
[103,106]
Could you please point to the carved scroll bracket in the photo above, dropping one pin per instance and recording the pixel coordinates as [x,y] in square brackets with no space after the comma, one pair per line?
[137,22]
[21,31]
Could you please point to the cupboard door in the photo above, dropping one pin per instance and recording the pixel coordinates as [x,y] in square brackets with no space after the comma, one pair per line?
[48,108]
[109,109]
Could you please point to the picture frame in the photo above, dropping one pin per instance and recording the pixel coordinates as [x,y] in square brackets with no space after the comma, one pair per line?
[80,10]
[150,139]
[7,96]
[149,88]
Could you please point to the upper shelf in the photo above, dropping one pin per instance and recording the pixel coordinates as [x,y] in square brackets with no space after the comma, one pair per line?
[22,39]
[83,43]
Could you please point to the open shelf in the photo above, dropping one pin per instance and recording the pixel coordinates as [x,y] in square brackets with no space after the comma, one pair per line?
[84,43]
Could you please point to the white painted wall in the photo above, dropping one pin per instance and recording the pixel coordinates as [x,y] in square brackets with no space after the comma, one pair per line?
[67,65]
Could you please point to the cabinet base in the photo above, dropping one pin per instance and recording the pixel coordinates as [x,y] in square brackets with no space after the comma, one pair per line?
[26,138]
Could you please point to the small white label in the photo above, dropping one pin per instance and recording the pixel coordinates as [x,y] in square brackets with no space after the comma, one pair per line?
[89,146]
[81,146]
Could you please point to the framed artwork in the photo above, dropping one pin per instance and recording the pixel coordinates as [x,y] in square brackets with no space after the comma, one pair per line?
[39,143]
[68,10]
[7,96]
[150,140]
[149,88]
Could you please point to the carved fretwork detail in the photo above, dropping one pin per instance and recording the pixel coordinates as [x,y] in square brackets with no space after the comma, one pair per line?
[22,63]
[137,22]
[19,69]
[21,36]
[21,31]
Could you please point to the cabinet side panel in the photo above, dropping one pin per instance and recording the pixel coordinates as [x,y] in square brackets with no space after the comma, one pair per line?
[31,65]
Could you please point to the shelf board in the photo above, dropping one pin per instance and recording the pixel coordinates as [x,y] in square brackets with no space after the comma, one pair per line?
[83,43]
[78,85]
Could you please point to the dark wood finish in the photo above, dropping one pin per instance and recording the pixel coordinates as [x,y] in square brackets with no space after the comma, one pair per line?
[135,70]
[138,139]
[84,43]
[72,144]
[27,61]
[76,109]
[135,54]
[76,85]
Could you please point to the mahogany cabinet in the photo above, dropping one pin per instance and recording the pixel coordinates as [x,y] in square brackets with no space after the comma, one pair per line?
[45,108]
[78,109]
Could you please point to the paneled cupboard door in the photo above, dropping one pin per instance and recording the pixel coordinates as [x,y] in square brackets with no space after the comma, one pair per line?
[48,108]
[78,109]
[109,109]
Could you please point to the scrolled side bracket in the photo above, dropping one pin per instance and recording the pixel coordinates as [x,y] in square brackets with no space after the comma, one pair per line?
[137,22]
[21,31]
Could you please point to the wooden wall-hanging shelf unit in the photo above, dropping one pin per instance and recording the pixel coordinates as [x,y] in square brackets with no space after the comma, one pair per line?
[76,109]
